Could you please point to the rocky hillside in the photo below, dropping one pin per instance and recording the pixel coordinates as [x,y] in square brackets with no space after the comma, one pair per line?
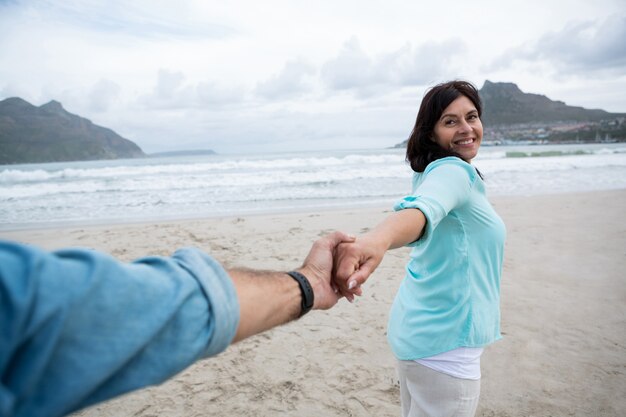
[510,116]
[506,104]
[49,133]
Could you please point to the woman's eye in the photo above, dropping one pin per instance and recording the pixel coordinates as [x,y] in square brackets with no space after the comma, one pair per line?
[448,122]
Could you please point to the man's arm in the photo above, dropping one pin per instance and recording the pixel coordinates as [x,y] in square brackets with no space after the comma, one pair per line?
[268,299]
[79,327]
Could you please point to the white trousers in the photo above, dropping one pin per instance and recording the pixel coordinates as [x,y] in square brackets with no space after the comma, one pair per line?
[428,393]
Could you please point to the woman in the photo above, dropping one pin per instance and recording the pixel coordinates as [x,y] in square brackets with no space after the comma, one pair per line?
[447,307]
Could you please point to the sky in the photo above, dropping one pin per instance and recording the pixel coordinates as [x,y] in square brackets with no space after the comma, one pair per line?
[270,76]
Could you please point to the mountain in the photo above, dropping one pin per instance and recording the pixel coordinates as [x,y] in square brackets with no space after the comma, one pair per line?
[49,133]
[506,104]
[510,115]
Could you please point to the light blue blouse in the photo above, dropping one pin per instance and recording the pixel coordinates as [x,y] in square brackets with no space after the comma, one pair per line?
[450,295]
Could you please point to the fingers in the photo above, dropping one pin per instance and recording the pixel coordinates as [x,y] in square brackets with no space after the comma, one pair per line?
[338,237]
[346,263]
[359,277]
[354,283]
[350,263]
[318,268]
[345,266]
[322,252]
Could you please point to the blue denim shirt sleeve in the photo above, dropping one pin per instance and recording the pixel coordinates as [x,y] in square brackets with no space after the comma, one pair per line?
[78,327]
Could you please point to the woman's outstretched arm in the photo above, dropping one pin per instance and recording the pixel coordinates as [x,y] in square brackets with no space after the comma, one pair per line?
[354,262]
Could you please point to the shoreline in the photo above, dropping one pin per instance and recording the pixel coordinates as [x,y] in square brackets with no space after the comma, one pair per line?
[69,224]
[304,210]
[563,301]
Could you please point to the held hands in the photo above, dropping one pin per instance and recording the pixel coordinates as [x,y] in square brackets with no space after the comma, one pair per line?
[318,268]
[338,264]
[354,262]
[344,263]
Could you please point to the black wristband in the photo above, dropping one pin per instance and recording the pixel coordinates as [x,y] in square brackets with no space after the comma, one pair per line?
[307,291]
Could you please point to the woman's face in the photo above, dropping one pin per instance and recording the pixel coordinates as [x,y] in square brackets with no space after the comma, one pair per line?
[459,129]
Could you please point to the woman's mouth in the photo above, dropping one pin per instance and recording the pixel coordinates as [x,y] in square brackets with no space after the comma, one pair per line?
[464,142]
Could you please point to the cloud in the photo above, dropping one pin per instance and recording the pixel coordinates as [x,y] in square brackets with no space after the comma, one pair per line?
[425,63]
[353,68]
[102,95]
[172,91]
[169,84]
[210,93]
[587,45]
[141,19]
[293,80]
[578,48]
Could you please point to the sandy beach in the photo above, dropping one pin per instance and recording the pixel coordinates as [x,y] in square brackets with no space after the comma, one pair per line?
[563,316]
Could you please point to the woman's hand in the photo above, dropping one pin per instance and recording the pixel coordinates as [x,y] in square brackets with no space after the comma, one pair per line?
[354,262]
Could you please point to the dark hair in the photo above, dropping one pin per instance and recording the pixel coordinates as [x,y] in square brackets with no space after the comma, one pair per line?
[421,150]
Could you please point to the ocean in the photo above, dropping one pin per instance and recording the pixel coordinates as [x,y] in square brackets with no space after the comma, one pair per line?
[132,190]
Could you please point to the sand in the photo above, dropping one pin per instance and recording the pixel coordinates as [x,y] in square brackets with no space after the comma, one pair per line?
[563,316]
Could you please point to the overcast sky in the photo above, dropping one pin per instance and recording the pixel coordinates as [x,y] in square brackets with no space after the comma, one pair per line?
[261,76]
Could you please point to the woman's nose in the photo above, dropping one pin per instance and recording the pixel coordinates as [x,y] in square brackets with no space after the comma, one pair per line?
[465,127]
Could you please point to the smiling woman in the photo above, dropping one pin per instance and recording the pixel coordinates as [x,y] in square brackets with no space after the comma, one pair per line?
[447,309]
[459,129]
[448,124]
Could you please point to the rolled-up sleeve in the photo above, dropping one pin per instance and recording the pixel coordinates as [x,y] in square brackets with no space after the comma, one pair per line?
[219,291]
[79,327]
[446,185]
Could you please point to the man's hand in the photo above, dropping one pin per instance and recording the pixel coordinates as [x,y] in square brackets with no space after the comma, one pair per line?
[270,298]
[354,262]
[318,268]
